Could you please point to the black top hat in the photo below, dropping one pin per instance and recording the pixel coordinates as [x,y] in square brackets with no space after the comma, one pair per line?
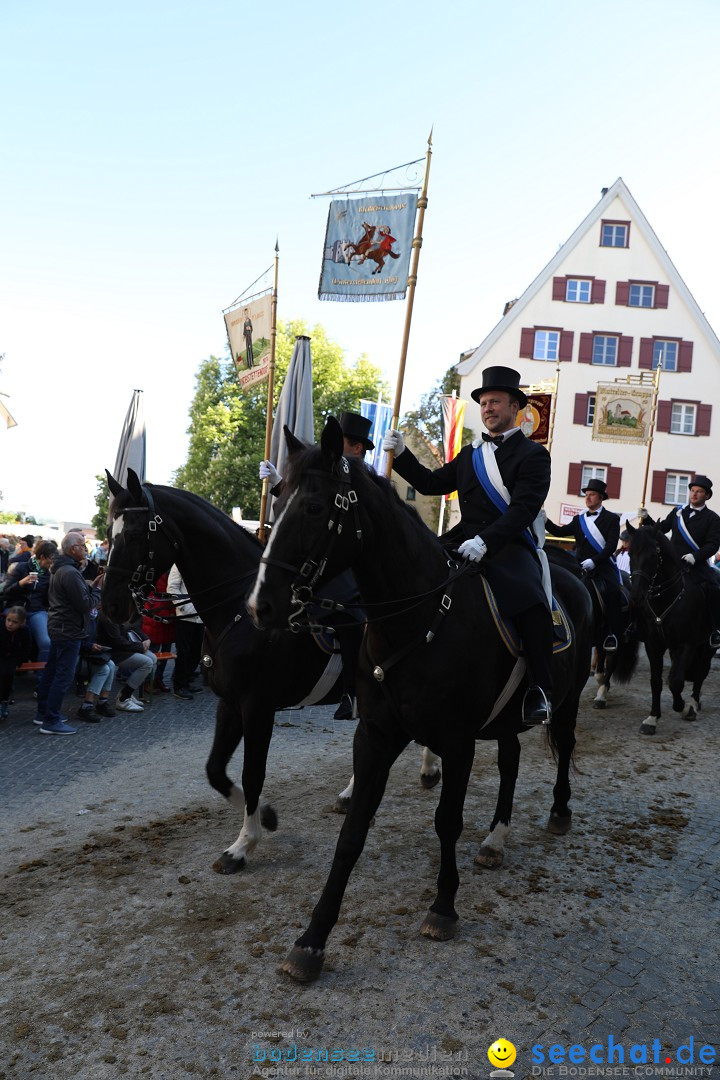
[501,378]
[356,428]
[703,482]
[29,539]
[596,485]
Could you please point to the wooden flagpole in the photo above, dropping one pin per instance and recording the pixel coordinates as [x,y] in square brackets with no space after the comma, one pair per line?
[271,382]
[412,282]
[653,415]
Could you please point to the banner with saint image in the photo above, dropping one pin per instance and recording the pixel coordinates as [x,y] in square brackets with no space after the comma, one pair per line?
[622,413]
[534,419]
[367,247]
[248,330]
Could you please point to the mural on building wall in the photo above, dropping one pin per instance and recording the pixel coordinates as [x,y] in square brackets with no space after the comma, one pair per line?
[622,414]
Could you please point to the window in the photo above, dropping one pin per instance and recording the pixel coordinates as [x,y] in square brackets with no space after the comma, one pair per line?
[546,345]
[410,494]
[667,351]
[604,350]
[578,291]
[592,472]
[590,410]
[676,487]
[641,296]
[682,419]
[614,234]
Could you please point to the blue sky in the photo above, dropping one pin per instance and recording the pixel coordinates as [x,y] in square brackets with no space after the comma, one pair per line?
[152,152]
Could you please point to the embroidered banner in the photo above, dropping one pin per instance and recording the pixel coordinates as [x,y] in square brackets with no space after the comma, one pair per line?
[367,248]
[622,413]
[248,330]
[380,415]
[534,419]
[452,420]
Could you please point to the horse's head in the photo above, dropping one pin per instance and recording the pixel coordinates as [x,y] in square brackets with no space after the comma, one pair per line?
[140,547]
[652,561]
[316,531]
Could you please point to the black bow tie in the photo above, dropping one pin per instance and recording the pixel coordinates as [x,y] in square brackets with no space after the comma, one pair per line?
[497,439]
[592,513]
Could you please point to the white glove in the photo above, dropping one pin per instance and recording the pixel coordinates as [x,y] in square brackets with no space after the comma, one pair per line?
[267,469]
[473,549]
[689,559]
[642,513]
[587,564]
[393,443]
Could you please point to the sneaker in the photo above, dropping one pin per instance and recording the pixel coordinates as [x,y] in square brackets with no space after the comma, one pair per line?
[104,708]
[130,704]
[344,710]
[161,688]
[183,694]
[87,713]
[56,727]
[38,720]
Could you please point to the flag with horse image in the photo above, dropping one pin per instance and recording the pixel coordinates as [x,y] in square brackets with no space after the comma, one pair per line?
[367,247]
[622,413]
[248,326]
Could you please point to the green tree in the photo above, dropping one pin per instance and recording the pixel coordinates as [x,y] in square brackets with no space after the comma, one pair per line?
[425,421]
[102,501]
[227,425]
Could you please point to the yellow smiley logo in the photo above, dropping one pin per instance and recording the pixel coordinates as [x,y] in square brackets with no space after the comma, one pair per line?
[502,1053]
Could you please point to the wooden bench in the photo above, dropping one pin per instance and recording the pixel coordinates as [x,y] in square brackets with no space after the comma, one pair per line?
[32,665]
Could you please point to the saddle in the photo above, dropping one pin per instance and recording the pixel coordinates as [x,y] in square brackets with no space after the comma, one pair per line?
[507,627]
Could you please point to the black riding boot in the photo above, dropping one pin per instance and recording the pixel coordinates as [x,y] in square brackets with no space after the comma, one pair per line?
[536,631]
[613,607]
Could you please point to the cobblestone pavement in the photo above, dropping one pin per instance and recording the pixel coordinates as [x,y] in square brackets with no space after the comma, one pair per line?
[608,934]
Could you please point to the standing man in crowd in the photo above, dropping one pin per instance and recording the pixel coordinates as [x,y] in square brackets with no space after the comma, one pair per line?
[71,600]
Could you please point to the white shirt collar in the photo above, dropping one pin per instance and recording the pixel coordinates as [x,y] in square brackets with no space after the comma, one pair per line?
[501,434]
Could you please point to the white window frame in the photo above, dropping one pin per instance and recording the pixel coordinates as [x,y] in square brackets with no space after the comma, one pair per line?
[581,287]
[657,346]
[590,410]
[643,293]
[683,418]
[605,338]
[613,231]
[592,472]
[676,488]
[546,345]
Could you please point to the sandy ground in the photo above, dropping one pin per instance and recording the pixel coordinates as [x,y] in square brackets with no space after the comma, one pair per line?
[124,954]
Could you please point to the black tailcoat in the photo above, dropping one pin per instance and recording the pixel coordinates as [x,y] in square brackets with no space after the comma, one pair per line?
[609,525]
[704,527]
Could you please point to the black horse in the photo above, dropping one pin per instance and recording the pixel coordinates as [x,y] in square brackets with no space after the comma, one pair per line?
[253,673]
[433,667]
[670,613]
[620,664]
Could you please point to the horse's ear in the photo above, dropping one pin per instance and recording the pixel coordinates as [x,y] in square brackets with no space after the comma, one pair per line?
[293,444]
[134,485]
[630,529]
[331,440]
[113,485]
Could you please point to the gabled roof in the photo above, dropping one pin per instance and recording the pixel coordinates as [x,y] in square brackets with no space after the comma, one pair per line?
[639,221]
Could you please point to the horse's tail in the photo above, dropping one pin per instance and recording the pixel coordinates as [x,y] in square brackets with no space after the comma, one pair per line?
[626,659]
[394,254]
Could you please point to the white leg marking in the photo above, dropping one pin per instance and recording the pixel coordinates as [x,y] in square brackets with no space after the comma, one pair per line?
[496,837]
[430,763]
[348,790]
[601,692]
[253,598]
[248,839]
[236,798]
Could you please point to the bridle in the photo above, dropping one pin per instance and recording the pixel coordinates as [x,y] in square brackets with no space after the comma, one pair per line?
[655,591]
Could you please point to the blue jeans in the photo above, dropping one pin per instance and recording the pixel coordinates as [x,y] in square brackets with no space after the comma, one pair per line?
[101,678]
[57,677]
[37,621]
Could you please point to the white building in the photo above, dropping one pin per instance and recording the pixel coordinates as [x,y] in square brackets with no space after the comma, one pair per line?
[607,305]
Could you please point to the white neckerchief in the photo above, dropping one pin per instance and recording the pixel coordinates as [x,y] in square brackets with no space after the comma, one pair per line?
[593,529]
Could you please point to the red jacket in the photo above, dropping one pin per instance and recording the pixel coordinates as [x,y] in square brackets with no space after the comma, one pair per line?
[160,633]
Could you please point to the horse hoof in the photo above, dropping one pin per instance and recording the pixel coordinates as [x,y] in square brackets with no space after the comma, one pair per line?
[690,714]
[599,704]
[268,818]
[304,965]
[228,864]
[559,824]
[341,805]
[648,729]
[439,927]
[430,780]
[489,858]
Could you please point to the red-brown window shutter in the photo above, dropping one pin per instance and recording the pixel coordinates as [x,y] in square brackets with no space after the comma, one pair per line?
[559,288]
[574,478]
[622,293]
[527,342]
[614,481]
[597,292]
[685,356]
[657,492]
[566,345]
[662,293]
[586,349]
[624,351]
[646,353]
[581,408]
[703,419]
[664,415]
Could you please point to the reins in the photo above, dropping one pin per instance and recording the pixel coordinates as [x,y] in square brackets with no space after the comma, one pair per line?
[655,591]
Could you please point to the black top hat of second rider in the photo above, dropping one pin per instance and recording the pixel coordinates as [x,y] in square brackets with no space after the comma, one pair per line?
[703,482]
[356,428]
[596,485]
[501,378]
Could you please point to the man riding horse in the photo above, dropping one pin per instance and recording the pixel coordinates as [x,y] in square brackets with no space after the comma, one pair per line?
[695,536]
[596,534]
[502,481]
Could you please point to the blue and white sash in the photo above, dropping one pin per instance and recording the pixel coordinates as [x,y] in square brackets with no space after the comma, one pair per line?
[488,474]
[683,530]
[593,535]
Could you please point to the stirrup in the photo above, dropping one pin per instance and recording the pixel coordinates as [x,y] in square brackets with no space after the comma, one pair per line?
[610,644]
[536,709]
